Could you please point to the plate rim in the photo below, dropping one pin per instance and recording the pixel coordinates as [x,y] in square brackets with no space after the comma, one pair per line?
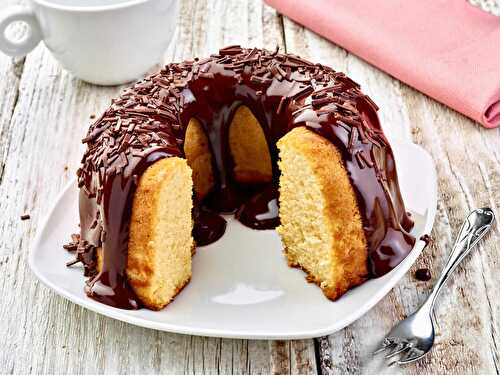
[337,325]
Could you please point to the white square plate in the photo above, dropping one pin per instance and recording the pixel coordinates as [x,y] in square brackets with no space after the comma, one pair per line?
[241,285]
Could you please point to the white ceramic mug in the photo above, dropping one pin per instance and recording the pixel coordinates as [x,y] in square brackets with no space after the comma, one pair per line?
[106,42]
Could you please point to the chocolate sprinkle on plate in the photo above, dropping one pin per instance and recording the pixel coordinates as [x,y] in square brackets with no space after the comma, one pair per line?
[423,274]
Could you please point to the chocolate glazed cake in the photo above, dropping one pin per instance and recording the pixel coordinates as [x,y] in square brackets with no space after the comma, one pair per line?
[324,152]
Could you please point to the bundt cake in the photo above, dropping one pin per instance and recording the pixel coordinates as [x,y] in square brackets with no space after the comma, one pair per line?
[275,139]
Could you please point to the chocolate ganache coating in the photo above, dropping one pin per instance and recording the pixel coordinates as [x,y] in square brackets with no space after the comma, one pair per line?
[148,122]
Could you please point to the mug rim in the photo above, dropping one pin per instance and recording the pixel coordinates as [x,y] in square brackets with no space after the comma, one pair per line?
[94,8]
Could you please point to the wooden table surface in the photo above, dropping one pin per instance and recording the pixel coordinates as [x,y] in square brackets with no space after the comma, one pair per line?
[44,112]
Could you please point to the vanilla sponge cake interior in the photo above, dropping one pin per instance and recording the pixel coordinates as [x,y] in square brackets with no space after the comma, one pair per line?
[321,228]
[160,243]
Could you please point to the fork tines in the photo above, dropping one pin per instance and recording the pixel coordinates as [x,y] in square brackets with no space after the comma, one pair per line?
[393,347]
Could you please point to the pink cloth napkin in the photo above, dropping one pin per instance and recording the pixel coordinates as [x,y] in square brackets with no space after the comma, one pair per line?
[448,49]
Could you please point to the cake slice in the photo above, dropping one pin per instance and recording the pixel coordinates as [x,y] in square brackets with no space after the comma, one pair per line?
[321,227]
[160,243]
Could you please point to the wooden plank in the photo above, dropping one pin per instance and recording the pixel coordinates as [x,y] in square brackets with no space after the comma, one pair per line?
[467,158]
[41,124]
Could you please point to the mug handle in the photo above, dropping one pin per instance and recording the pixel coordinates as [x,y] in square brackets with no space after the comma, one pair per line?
[26,44]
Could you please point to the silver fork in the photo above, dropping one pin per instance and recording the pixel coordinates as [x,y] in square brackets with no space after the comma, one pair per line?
[413,337]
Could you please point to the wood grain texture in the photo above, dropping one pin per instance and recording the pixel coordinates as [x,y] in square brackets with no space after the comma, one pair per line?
[43,110]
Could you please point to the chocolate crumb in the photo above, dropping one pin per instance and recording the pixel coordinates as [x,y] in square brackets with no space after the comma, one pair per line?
[92,116]
[427,239]
[72,262]
[423,274]
[25,217]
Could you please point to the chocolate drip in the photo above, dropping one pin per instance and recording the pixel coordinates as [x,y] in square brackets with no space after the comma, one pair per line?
[427,239]
[261,211]
[208,226]
[283,91]
[423,274]
[110,285]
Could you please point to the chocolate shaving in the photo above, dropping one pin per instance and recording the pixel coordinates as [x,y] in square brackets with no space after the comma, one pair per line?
[92,136]
[230,50]
[367,161]
[118,125]
[280,106]
[304,92]
[298,60]
[206,75]
[360,160]
[322,101]
[260,80]
[352,137]
[72,262]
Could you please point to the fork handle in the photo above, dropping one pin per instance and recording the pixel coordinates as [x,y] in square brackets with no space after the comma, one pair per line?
[473,229]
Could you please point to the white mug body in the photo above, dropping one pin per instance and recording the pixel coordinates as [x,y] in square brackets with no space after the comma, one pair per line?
[107,45]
